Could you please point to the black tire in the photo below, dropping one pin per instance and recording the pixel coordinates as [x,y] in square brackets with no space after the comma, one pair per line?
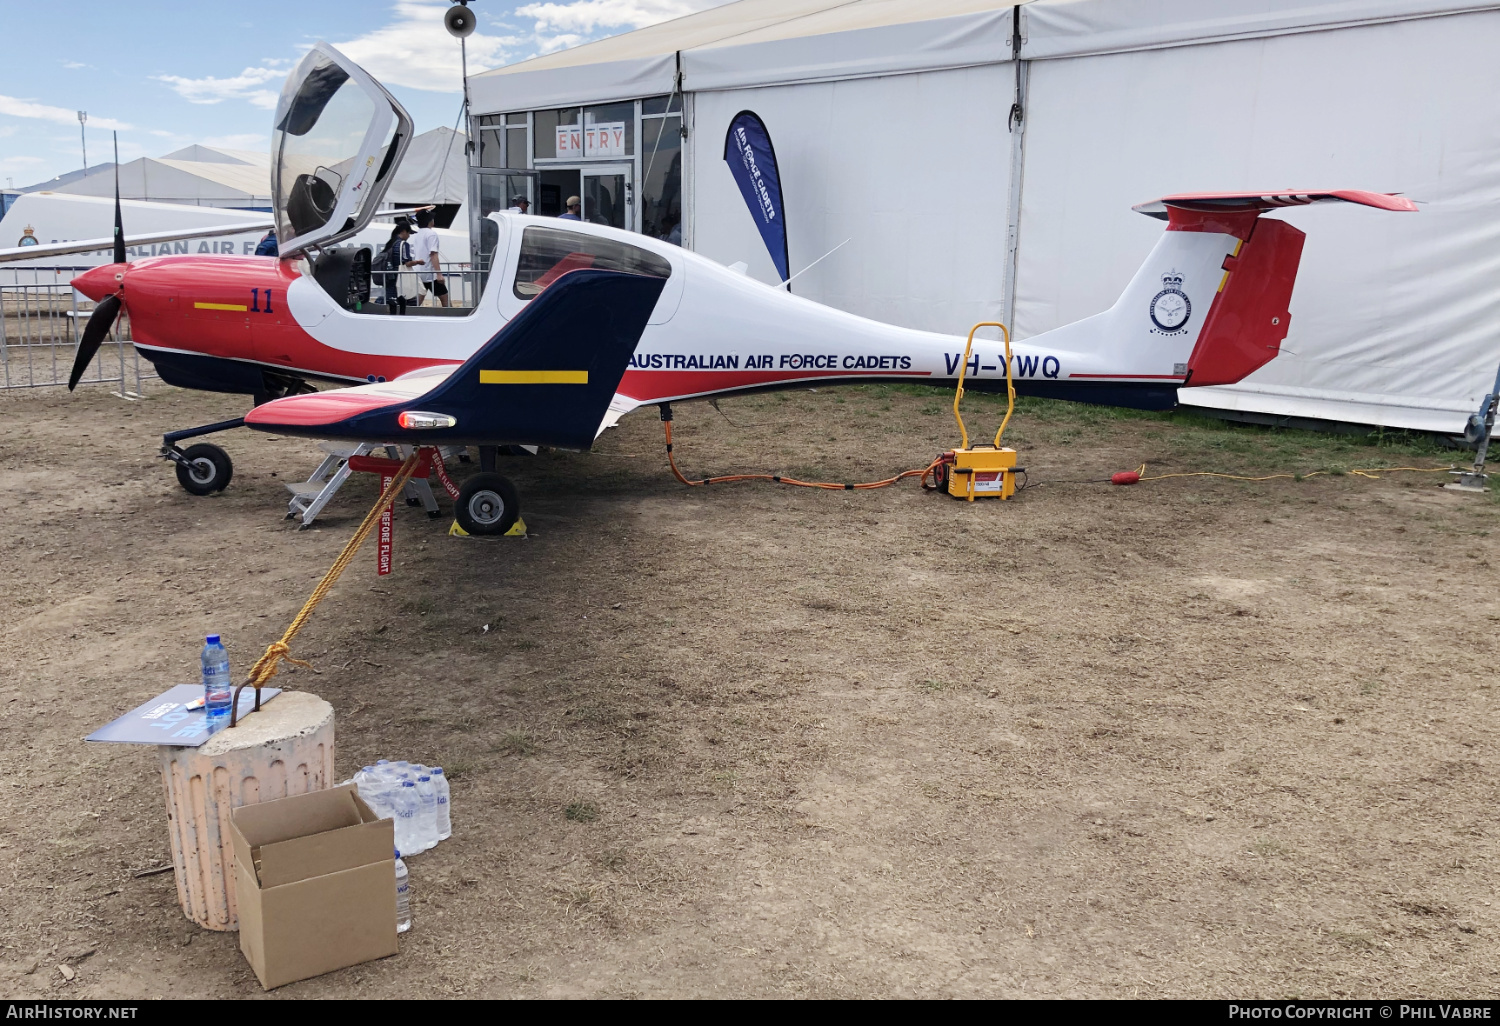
[940,477]
[487,504]
[207,470]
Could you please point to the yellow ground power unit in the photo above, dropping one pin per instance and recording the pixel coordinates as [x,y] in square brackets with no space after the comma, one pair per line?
[981,471]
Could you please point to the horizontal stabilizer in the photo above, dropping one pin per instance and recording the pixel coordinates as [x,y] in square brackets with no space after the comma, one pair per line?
[1226,201]
[547,378]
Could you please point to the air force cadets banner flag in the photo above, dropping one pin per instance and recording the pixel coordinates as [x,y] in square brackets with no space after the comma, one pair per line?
[752,161]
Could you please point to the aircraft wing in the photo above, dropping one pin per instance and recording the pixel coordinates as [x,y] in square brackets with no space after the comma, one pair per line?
[93,245]
[548,378]
[1271,201]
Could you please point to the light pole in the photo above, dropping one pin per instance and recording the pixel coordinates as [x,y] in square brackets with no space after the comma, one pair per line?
[83,116]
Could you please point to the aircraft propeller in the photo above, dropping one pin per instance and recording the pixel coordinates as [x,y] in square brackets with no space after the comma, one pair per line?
[103,317]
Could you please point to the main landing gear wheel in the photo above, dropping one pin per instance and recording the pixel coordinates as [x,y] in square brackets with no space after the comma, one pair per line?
[487,504]
[207,469]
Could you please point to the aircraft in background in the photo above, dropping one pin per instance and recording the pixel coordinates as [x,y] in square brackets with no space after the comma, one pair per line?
[579,324]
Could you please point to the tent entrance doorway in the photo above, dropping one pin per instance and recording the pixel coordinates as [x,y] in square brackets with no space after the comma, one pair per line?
[606,190]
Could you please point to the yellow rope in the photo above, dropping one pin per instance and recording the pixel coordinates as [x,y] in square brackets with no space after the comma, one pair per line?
[1370,472]
[265,667]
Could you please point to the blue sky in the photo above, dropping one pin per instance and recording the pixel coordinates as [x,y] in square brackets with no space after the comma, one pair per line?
[170,74]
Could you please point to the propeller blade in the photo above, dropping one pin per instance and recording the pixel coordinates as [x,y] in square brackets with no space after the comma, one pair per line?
[119,224]
[94,334]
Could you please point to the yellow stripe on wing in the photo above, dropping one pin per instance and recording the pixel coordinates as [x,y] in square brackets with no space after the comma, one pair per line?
[231,307]
[533,377]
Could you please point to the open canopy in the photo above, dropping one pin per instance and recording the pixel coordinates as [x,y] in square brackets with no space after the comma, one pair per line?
[338,135]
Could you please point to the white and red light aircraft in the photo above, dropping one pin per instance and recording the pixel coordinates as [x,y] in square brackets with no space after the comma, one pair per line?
[579,324]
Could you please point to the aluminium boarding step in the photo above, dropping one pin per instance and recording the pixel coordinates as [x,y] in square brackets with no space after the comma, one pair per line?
[310,496]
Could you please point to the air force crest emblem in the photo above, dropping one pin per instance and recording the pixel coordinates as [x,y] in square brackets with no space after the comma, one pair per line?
[1171,308]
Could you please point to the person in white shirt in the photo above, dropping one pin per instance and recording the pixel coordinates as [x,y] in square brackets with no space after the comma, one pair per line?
[519,205]
[424,251]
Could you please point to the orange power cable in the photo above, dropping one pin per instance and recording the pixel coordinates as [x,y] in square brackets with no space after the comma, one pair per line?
[666,419]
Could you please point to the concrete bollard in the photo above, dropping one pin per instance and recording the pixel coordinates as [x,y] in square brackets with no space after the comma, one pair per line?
[285,749]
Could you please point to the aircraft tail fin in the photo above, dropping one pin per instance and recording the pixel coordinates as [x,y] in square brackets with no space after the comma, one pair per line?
[1249,315]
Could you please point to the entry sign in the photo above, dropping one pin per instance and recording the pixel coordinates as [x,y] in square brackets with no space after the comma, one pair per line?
[569,141]
[387,520]
[165,721]
[606,140]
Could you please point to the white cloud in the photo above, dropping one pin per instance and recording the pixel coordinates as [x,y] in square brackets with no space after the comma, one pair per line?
[587,17]
[244,141]
[249,85]
[416,51]
[19,166]
[27,109]
[75,64]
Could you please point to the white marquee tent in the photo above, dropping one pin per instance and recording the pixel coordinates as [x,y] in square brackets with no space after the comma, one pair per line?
[433,171]
[891,120]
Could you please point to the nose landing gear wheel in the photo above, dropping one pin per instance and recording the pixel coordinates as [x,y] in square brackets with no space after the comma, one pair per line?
[207,470]
[487,504]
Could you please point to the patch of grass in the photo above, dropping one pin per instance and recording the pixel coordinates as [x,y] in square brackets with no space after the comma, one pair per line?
[458,768]
[934,685]
[1353,939]
[1267,849]
[582,812]
[517,742]
[523,645]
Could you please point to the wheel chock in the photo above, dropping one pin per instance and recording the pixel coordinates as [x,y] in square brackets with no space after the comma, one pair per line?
[517,530]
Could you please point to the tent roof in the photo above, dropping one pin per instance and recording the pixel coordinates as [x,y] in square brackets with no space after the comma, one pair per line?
[769,42]
[219,155]
[434,170]
[179,181]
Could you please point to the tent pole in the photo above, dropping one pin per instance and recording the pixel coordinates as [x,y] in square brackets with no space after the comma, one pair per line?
[1017,125]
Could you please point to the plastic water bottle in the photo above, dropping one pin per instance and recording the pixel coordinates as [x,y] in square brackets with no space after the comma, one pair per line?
[376,791]
[427,823]
[406,806]
[218,691]
[403,895]
[444,816]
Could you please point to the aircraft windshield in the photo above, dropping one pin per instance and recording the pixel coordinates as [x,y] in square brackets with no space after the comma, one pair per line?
[549,253]
[316,144]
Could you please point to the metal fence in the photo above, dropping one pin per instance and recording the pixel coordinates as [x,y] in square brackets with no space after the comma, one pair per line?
[42,319]
[465,285]
[41,323]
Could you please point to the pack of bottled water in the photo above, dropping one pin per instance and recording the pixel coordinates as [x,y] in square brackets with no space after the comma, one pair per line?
[416,797]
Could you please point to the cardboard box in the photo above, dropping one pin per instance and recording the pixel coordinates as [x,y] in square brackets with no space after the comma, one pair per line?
[316,880]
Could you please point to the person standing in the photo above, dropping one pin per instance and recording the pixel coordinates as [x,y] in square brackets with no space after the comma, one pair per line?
[267,246]
[393,259]
[519,205]
[424,252]
[574,206]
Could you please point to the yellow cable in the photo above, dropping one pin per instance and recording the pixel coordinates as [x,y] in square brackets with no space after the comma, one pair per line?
[265,667]
[1369,472]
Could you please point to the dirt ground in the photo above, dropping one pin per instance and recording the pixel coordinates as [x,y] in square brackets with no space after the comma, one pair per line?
[1192,738]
